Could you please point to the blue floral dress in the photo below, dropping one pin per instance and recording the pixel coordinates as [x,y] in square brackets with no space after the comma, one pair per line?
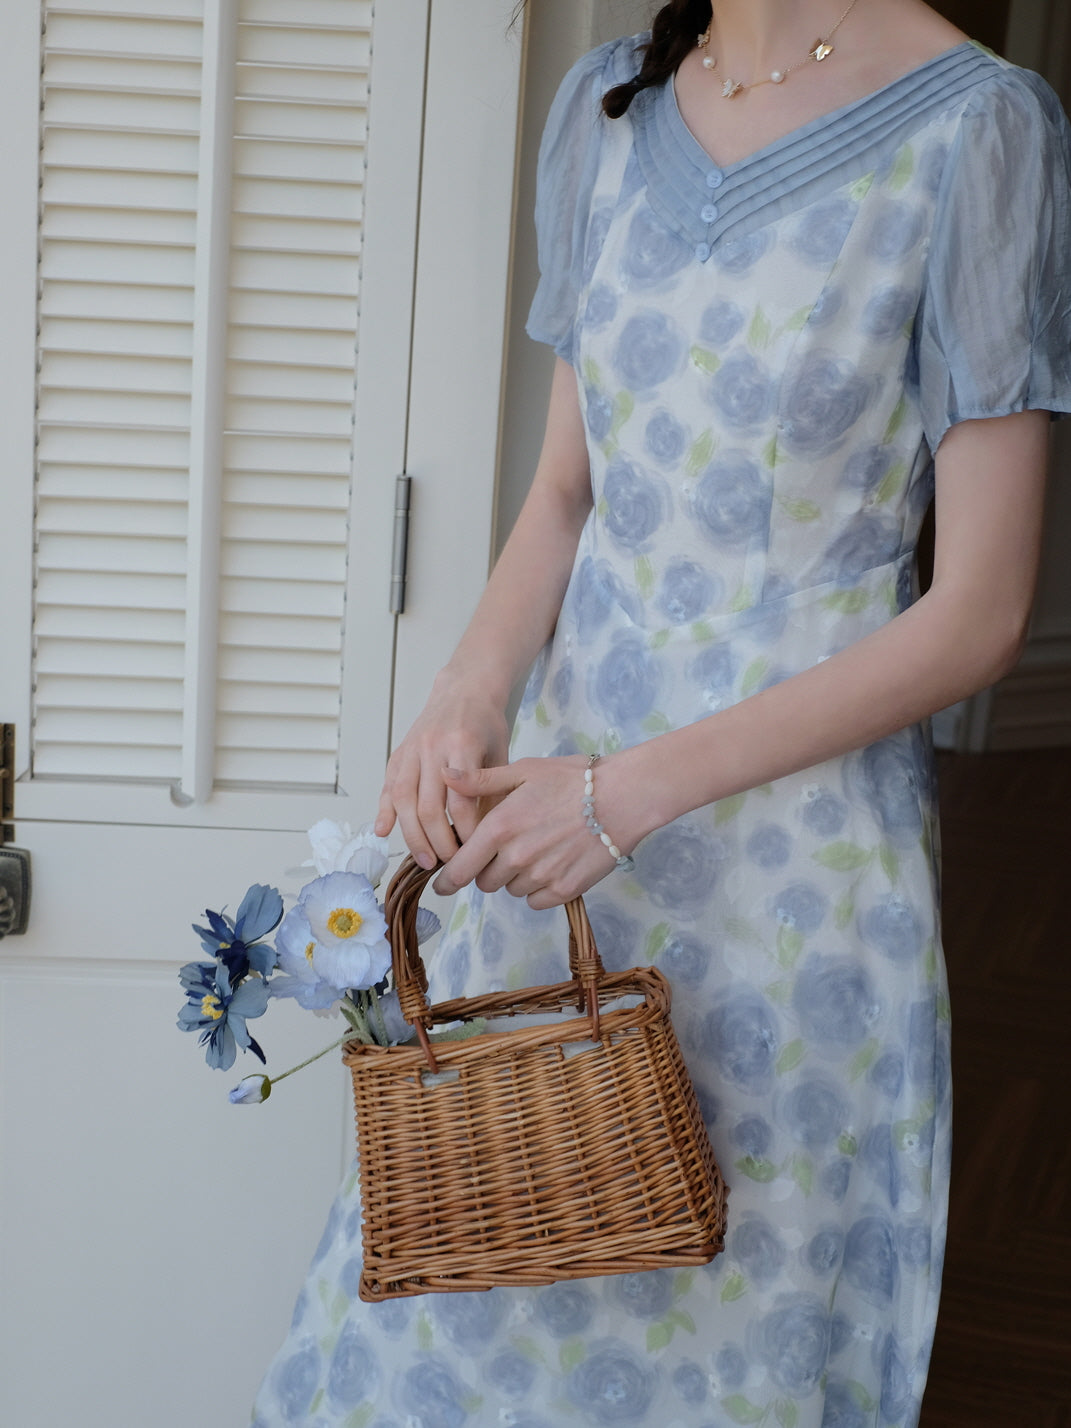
[767,354]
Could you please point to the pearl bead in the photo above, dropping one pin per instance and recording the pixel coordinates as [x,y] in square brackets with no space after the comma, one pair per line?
[777,77]
[708,63]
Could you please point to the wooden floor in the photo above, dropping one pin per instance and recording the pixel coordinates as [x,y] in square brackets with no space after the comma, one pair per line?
[1003,1353]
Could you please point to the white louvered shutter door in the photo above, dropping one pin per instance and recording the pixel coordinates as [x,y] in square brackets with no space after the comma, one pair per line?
[239,241]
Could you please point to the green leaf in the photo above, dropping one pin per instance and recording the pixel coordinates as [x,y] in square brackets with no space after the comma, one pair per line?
[529,1348]
[592,374]
[735,1287]
[842,913]
[742,1410]
[779,992]
[472,1402]
[742,600]
[800,509]
[766,789]
[656,724]
[657,939]
[680,1320]
[792,1053]
[930,960]
[789,946]
[571,1354]
[902,169]
[359,1418]
[798,321]
[702,632]
[602,508]
[743,931]
[624,406]
[658,1336]
[771,452]
[683,1282]
[424,1336]
[848,602]
[699,454]
[726,809]
[340,1308]
[318,1398]
[542,718]
[460,914]
[944,1011]
[890,862]
[861,1397]
[843,857]
[862,187]
[762,1171]
[803,1173]
[586,745]
[645,576]
[847,1144]
[612,740]
[659,639]
[754,675]
[860,1063]
[896,421]
[705,360]
[891,483]
[787,1413]
[760,331]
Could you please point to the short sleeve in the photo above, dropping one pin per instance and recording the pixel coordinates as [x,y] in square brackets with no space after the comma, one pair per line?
[565,179]
[993,332]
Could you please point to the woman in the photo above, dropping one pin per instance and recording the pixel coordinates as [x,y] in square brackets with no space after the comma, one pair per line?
[794,289]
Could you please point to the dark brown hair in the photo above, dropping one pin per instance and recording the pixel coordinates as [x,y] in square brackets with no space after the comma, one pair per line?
[674,31]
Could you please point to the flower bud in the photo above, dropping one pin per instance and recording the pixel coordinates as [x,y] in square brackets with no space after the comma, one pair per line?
[251,1090]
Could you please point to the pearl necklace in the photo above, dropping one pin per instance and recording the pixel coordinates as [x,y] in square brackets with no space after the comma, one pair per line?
[820,50]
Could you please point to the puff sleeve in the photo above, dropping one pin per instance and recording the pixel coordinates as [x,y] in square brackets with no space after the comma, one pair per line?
[565,179]
[993,331]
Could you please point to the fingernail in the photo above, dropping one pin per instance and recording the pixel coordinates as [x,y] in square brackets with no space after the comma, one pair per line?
[426,860]
[454,773]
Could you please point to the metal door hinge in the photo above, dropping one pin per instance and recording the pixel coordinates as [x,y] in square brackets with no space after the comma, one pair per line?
[400,556]
[14,862]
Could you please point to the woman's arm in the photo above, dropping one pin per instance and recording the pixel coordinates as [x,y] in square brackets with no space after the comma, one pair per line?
[965,632]
[463,723]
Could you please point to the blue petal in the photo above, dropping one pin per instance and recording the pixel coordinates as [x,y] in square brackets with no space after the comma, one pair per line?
[260,911]
[198,976]
[251,998]
[262,958]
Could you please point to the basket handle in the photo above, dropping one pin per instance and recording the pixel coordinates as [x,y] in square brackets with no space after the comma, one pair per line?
[410,975]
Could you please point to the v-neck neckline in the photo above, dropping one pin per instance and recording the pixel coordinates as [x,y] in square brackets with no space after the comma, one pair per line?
[831,118]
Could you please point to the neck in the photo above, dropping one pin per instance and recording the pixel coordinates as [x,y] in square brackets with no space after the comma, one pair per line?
[756,35]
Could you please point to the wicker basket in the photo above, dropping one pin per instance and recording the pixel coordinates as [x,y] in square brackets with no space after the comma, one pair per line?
[551,1151]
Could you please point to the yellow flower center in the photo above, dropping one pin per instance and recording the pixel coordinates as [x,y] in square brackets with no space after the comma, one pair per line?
[344,922]
[309,950]
[210,1006]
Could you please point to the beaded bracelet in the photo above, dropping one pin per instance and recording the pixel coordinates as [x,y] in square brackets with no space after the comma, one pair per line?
[622,860]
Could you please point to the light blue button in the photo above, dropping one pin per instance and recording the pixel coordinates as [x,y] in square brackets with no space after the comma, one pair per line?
[708,212]
[715,178]
[702,251]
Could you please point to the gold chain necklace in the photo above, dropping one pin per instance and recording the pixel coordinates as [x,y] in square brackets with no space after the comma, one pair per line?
[820,50]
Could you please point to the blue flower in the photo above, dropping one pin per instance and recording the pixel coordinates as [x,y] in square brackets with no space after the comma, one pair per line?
[686,591]
[890,780]
[335,937]
[752,1136]
[897,227]
[824,814]
[887,313]
[732,501]
[232,942]
[881,1159]
[690,1383]
[593,591]
[869,541]
[819,234]
[470,1320]
[295,1382]
[337,849]
[250,1091]
[391,1315]
[616,935]
[713,672]
[511,1373]
[599,412]
[453,965]
[664,438]
[492,944]
[612,1385]
[742,390]
[220,1013]
[887,1074]
[913,1244]
[825,1250]
[759,1249]
[643,1296]
[653,253]
[835,1178]
[561,686]
[895,1382]
[601,306]
[871,1264]
[867,467]
[720,323]
[598,227]
[825,396]
[354,1372]
[793,1342]
[931,167]
[815,1112]
[432,1393]
[800,906]
[893,927]
[565,1309]
[626,681]
[649,350]
[677,867]
[636,503]
[769,846]
[738,256]
[841,1408]
[922,1043]
[830,301]
[834,1000]
[731,1366]
[685,960]
[741,1035]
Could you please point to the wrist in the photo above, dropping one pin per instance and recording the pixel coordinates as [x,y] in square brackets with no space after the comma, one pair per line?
[475,679]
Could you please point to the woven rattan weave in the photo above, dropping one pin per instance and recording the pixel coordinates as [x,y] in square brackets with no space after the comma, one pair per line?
[547,1151]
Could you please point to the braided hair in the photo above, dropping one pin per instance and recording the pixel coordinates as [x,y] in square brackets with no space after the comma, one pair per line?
[673,33]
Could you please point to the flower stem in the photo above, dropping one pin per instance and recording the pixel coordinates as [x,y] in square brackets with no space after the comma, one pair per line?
[302,1064]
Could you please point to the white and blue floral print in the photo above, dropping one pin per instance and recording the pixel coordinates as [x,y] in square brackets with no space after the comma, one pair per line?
[766,355]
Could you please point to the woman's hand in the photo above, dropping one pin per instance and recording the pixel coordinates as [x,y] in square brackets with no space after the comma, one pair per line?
[457,727]
[535,841]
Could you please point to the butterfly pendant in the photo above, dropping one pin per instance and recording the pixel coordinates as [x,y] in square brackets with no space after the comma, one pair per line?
[730,89]
[820,50]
